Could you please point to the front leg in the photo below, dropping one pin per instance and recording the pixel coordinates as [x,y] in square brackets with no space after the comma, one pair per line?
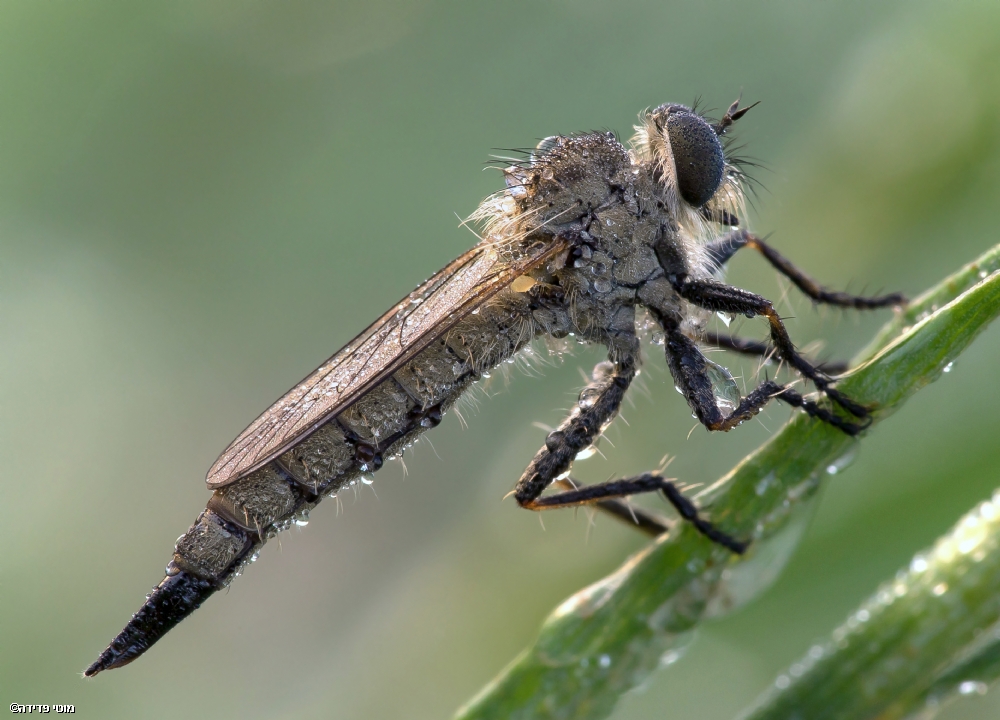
[723,249]
[598,404]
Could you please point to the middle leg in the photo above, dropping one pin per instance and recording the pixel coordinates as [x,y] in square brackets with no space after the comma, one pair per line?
[690,370]
[715,296]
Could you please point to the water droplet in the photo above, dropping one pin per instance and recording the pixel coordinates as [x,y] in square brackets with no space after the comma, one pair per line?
[367,479]
[725,389]
[844,461]
[983,274]
[782,682]
[918,564]
[763,486]
[588,397]
[726,318]
[745,581]
[670,657]
[476,311]
[604,661]
[602,286]
[658,338]
[586,452]
[256,554]
[972,687]
[947,368]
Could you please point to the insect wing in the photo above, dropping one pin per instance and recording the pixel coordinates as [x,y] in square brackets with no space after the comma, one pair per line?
[390,342]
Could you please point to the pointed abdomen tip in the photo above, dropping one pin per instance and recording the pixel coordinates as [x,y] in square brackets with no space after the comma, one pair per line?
[170,602]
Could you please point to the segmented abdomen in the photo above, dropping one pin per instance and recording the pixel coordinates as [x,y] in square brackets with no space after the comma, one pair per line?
[379,425]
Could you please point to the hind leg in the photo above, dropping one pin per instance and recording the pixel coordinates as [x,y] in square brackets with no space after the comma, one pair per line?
[598,404]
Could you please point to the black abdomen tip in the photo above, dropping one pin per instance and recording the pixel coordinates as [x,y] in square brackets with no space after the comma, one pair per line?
[170,602]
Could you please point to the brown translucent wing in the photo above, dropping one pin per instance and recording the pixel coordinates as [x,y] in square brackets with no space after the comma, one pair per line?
[390,342]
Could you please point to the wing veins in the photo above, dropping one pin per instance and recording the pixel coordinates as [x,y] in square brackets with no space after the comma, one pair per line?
[281,426]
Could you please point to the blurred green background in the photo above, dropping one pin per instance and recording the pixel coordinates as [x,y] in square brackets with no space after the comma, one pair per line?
[201,200]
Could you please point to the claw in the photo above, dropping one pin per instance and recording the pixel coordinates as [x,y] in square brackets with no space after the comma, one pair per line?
[856,409]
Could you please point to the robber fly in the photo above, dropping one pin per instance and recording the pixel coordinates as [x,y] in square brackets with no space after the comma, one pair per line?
[586,232]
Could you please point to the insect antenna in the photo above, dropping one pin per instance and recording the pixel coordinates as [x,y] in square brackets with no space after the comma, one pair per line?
[733,113]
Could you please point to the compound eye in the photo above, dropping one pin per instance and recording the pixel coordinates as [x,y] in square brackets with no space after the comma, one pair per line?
[698,157]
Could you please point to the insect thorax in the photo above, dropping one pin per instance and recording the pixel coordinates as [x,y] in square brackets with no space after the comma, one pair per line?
[630,231]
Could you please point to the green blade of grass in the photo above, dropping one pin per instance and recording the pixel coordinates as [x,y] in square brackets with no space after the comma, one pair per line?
[925,637]
[937,296]
[607,638]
